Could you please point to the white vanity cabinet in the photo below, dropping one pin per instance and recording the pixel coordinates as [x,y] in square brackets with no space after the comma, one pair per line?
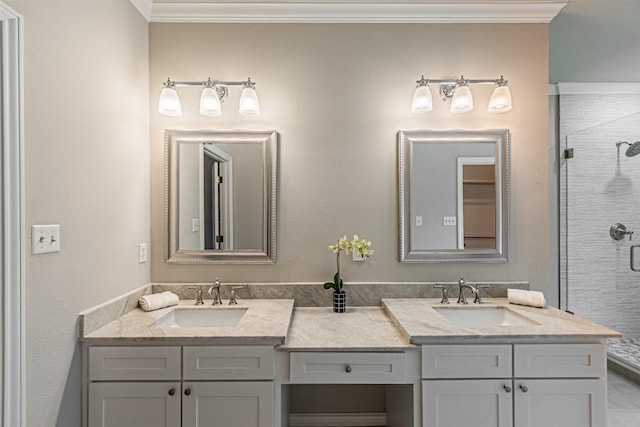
[173,386]
[519,385]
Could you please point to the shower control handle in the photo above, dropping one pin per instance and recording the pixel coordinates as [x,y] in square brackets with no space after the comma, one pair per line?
[618,231]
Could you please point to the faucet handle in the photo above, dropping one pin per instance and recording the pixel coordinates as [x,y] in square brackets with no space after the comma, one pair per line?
[232,298]
[445,294]
[198,290]
[478,298]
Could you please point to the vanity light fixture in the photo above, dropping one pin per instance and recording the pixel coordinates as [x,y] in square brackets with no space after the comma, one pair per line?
[458,93]
[213,95]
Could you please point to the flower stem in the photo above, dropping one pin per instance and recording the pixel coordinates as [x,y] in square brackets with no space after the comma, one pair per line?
[338,265]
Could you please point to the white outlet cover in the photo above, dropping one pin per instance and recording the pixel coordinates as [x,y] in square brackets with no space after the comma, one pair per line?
[449,221]
[45,239]
[357,256]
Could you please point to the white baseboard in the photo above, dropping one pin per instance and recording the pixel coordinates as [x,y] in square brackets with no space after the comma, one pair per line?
[338,420]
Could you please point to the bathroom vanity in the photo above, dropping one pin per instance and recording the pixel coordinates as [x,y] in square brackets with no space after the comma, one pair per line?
[515,366]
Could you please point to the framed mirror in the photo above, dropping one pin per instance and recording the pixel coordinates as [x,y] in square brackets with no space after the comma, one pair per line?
[221,196]
[454,195]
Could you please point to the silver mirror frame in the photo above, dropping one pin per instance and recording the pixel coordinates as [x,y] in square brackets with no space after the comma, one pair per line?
[502,140]
[267,254]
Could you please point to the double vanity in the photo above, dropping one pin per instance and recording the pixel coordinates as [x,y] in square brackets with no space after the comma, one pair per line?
[495,364]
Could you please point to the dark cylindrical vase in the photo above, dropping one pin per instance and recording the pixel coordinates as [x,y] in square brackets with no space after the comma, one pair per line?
[339,302]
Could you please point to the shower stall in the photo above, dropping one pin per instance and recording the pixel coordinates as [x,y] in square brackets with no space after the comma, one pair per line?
[599,203]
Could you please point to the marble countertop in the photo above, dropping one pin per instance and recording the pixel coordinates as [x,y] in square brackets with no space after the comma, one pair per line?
[397,325]
[420,323]
[358,329]
[265,322]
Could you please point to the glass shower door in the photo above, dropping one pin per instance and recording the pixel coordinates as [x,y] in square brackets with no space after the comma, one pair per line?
[601,188]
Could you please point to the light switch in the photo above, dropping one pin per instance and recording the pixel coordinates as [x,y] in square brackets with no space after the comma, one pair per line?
[195,225]
[142,253]
[418,221]
[45,239]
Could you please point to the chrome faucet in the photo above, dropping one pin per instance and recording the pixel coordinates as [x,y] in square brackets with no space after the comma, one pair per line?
[462,299]
[215,288]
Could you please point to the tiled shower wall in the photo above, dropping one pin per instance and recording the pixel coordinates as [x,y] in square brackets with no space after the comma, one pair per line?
[599,186]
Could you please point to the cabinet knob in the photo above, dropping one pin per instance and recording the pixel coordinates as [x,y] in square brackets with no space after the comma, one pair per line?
[187,392]
[172,392]
[507,388]
[524,388]
[347,368]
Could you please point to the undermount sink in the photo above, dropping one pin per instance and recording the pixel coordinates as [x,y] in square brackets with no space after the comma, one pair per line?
[479,316]
[201,317]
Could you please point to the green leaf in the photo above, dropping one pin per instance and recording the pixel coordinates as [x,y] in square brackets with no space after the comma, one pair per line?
[330,285]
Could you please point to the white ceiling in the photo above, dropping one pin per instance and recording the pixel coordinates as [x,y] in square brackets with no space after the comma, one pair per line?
[363,11]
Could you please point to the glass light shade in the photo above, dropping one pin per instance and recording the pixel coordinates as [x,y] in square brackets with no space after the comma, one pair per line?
[169,103]
[422,101]
[249,104]
[500,101]
[210,102]
[462,100]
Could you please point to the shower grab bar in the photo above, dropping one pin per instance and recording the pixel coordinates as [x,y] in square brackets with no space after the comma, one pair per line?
[632,257]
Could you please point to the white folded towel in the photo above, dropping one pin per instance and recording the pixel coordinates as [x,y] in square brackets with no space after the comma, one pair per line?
[156,301]
[522,297]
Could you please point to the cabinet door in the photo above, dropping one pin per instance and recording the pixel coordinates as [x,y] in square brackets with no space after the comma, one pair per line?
[228,404]
[134,404]
[566,403]
[477,403]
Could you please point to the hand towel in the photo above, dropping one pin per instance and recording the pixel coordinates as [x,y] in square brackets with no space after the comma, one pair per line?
[522,297]
[157,301]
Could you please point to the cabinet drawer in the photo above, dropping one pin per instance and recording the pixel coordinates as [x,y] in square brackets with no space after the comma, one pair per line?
[347,368]
[134,363]
[466,361]
[559,360]
[229,363]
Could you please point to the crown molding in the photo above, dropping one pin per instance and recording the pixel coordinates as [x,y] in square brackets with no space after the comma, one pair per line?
[351,12]
[144,7]
[580,88]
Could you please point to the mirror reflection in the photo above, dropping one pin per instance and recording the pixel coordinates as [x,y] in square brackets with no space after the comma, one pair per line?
[453,195]
[221,196]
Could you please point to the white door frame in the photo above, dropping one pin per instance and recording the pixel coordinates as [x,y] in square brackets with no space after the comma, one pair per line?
[12,282]
[462,161]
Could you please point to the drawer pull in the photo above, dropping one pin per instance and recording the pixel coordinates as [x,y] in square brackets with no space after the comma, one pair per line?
[187,392]
[524,388]
[507,388]
[172,392]
[347,369]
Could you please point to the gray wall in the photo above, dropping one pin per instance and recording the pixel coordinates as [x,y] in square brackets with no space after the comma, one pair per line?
[338,94]
[595,41]
[87,169]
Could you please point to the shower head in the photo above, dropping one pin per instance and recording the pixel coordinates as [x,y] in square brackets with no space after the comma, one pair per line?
[633,150]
